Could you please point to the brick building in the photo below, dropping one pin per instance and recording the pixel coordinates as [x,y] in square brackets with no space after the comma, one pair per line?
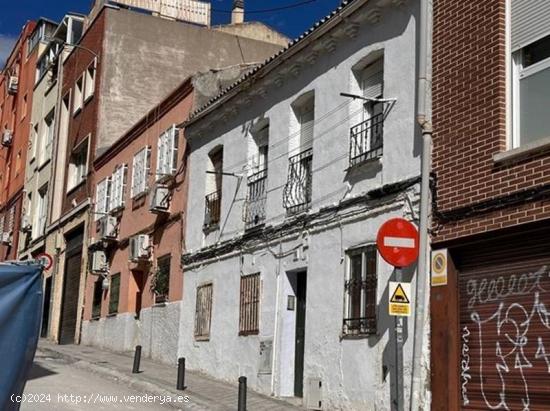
[491,209]
[125,63]
[16,92]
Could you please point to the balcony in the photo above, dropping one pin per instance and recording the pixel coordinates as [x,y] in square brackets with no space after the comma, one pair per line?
[366,140]
[297,191]
[212,209]
[254,210]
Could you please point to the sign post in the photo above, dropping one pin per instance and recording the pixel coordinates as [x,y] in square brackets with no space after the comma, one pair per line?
[397,243]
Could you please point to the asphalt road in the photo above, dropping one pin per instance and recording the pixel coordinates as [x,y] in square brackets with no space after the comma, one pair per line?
[57,384]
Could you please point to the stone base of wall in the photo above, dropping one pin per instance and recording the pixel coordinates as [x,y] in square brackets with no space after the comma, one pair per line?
[156,331]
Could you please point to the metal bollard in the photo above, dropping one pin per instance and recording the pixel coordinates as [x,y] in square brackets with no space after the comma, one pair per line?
[137,359]
[181,374]
[242,394]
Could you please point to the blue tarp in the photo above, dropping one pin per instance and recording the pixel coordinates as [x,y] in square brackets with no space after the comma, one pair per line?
[20,316]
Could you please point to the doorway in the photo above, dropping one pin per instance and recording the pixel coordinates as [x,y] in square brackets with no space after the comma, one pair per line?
[46,308]
[71,286]
[136,291]
[299,344]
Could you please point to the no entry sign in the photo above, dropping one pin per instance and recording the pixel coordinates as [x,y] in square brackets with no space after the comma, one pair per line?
[397,242]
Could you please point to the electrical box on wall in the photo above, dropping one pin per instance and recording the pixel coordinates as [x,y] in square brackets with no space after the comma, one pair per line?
[314,398]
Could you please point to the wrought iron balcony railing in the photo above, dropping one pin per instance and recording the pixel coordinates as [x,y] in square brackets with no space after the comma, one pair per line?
[212,208]
[366,140]
[297,191]
[254,210]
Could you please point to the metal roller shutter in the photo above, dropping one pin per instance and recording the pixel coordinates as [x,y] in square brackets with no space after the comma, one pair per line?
[505,324]
[530,21]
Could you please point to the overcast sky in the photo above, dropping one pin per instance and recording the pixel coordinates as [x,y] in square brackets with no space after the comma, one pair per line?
[291,21]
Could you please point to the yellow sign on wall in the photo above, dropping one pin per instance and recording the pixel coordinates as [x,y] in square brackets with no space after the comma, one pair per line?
[439,267]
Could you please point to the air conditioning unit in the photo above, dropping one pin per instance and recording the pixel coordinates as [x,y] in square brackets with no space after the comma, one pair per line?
[108,228]
[7,138]
[99,262]
[26,225]
[13,85]
[5,238]
[160,200]
[139,247]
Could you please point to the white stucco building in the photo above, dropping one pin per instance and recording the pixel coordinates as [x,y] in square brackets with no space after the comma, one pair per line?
[289,183]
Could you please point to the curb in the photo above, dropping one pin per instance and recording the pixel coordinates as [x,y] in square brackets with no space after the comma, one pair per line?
[132,381]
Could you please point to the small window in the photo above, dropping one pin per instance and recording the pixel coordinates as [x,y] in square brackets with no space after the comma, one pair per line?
[161,281]
[118,188]
[41,214]
[78,95]
[361,292]
[140,171]
[203,312]
[249,314]
[24,107]
[167,153]
[47,138]
[102,198]
[97,297]
[78,165]
[114,293]
[213,200]
[33,143]
[89,84]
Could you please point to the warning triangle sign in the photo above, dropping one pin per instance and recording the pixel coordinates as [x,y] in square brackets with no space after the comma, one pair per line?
[399,296]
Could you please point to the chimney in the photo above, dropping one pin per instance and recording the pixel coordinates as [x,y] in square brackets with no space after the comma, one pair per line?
[237,14]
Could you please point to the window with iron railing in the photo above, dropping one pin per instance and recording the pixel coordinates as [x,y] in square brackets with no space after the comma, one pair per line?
[366,140]
[360,292]
[249,318]
[203,312]
[254,211]
[212,208]
[297,191]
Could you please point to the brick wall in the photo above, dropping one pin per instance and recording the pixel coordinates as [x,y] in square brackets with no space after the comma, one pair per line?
[469,116]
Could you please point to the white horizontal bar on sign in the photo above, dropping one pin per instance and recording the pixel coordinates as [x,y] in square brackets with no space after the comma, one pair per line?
[402,242]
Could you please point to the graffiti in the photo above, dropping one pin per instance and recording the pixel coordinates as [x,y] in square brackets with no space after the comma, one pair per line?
[512,323]
[483,291]
[465,365]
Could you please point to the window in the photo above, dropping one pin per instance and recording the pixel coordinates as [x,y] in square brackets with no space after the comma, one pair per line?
[297,191]
[167,153]
[98,295]
[118,187]
[161,281]
[530,46]
[360,292]
[11,219]
[366,137]
[78,165]
[89,84]
[214,188]
[41,212]
[47,138]
[140,172]
[257,178]
[249,313]
[33,143]
[78,95]
[114,293]
[24,107]
[102,198]
[203,312]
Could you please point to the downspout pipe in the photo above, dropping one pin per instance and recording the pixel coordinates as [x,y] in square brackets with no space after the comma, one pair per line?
[423,117]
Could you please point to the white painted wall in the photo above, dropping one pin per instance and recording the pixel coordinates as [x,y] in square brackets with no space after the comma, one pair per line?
[352,370]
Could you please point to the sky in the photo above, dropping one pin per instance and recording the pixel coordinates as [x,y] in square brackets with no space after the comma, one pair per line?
[292,21]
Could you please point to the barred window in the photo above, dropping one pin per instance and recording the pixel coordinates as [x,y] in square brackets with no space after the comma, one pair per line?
[161,281]
[203,312]
[249,305]
[360,292]
[114,293]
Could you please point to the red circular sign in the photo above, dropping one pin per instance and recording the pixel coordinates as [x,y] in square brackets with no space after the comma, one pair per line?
[397,242]
[46,260]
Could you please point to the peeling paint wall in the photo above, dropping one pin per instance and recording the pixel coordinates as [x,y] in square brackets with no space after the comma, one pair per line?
[356,373]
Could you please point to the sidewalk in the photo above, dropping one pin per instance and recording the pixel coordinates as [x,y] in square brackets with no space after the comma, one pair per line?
[206,394]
